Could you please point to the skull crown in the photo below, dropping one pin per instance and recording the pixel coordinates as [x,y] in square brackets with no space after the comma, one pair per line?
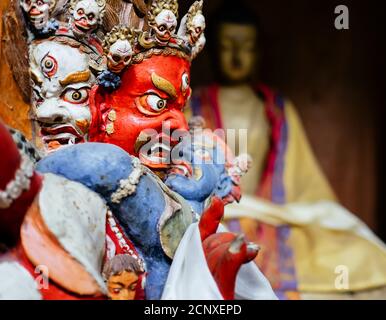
[195,22]
[118,47]
[86,16]
[123,45]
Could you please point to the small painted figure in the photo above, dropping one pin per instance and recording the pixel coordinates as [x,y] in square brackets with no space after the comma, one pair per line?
[123,275]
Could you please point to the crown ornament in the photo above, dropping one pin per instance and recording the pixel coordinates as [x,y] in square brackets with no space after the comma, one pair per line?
[108,27]
[124,46]
[76,44]
[101,19]
[86,16]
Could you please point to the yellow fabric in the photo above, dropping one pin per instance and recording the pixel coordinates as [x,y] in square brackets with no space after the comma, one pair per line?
[319,251]
[251,116]
[323,235]
[303,178]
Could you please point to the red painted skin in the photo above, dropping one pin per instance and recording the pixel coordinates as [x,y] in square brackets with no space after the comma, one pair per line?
[130,121]
[211,218]
[223,264]
[12,217]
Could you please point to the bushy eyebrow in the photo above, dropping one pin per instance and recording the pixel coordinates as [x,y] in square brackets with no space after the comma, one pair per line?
[164,85]
[76,77]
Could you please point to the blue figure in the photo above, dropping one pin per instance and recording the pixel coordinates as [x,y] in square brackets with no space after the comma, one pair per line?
[208,173]
[153,217]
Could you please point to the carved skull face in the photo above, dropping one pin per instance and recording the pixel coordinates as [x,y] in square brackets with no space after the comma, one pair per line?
[197,28]
[37,11]
[86,17]
[61,81]
[165,25]
[119,56]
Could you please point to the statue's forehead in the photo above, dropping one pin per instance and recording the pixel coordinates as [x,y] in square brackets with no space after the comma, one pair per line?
[92,5]
[199,19]
[237,32]
[170,68]
[166,16]
[44,2]
[122,46]
[67,57]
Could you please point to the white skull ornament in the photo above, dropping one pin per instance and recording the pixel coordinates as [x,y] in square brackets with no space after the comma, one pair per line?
[119,56]
[37,11]
[86,16]
[196,28]
[164,26]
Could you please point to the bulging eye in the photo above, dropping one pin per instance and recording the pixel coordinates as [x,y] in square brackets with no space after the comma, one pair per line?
[49,66]
[156,103]
[91,16]
[162,28]
[151,104]
[198,29]
[185,82]
[77,96]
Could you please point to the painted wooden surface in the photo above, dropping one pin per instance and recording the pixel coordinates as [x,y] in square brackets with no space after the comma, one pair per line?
[13,107]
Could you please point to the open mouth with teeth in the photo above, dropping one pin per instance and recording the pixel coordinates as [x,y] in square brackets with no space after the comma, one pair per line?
[37,16]
[155,152]
[182,168]
[58,136]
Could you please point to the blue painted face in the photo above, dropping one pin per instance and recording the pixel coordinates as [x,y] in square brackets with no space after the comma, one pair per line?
[208,174]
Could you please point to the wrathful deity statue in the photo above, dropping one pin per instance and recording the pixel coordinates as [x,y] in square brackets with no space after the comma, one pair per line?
[126,198]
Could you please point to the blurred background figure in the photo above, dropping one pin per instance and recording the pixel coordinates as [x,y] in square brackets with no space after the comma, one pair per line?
[290,208]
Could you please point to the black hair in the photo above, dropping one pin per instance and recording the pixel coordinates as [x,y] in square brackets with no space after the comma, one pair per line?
[236,12]
[120,263]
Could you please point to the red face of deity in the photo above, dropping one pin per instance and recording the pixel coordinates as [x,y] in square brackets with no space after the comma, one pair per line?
[145,113]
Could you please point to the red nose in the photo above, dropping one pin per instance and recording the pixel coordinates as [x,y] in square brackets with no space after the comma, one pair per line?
[175,120]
